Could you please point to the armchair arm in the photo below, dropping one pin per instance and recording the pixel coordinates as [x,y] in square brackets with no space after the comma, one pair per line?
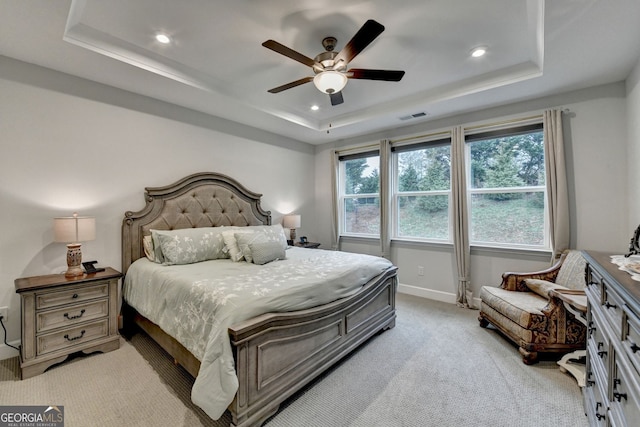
[543,288]
[515,281]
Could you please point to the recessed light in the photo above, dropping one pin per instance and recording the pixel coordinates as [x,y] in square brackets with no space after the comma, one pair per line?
[163,38]
[479,51]
[315,107]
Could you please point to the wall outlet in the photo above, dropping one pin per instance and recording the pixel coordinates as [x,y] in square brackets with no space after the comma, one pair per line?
[4,312]
[420,271]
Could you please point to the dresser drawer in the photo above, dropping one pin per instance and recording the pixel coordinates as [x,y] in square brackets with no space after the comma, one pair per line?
[594,284]
[631,338]
[71,295]
[612,308]
[68,338]
[625,402]
[598,342]
[71,315]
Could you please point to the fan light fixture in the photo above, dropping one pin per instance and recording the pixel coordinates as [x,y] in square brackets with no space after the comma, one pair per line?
[330,81]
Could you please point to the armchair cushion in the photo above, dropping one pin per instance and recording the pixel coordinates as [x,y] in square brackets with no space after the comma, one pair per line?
[522,308]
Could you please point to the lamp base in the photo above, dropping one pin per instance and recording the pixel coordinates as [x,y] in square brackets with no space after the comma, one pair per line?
[292,234]
[74,260]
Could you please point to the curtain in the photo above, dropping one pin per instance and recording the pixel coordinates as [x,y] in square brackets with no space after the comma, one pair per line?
[556,180]
[464,292]
[335,170]
[385,199]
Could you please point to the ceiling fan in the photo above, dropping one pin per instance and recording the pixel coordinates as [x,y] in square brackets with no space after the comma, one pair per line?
[330,67]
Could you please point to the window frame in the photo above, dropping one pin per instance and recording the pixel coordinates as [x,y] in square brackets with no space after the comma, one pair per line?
[342,196]
[396,193]
[470,191]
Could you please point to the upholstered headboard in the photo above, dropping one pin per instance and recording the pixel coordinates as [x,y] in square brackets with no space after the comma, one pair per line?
[204,199]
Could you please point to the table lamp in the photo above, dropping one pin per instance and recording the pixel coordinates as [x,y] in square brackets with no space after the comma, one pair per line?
[291,222]
[73,230]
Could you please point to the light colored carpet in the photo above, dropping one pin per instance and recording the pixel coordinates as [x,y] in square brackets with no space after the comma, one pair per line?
[437,367]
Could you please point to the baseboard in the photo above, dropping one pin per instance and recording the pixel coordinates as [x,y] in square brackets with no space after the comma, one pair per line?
[7,352]
[447,297]
[427,293]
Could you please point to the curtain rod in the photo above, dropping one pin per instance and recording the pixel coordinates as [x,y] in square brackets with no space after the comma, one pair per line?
[357,149]
[503,122]
[426,135]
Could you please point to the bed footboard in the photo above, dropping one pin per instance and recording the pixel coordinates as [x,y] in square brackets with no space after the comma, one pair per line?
[278,354]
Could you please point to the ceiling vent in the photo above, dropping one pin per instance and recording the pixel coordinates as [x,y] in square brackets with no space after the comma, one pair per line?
[413,116]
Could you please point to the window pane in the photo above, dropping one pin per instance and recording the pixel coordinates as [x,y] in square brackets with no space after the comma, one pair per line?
[362,175]
[423,216]
[362,215]
[513,161]
[516,218]
[426,169]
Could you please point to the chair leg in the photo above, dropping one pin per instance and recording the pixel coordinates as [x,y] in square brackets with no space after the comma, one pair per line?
[483,322]
[528,357]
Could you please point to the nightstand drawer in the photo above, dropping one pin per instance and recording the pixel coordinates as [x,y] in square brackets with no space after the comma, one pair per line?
[71,315]
[71,295]
[73,336]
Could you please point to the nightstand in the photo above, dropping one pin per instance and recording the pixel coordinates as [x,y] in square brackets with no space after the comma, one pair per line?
[310,245]
[61,316]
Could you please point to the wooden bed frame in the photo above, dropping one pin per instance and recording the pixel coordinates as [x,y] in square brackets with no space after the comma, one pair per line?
[276,354]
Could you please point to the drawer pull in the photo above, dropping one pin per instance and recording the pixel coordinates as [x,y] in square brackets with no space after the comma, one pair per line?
[618,396]
[609,305]
[76,316]
[602,354]
[75,338]
[74,296]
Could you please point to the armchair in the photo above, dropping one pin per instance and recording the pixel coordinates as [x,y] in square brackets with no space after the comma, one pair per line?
[524,309]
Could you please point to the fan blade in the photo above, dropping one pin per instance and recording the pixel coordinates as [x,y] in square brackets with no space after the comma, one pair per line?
[365,35]
[290,85]
[336,98]
[283,50]
[386,75]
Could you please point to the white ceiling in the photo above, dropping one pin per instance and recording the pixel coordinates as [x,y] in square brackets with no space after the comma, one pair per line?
[216,64]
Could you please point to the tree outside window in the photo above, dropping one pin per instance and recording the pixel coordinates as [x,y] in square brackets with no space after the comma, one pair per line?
[361,195]
[507,190]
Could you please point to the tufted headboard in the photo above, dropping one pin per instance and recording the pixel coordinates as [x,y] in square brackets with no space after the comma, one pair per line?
[204,199]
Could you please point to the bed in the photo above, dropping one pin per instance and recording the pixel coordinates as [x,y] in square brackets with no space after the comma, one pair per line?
[275,352]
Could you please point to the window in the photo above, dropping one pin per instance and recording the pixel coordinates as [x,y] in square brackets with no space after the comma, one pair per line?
[505,170]
[360,194]
[422,190]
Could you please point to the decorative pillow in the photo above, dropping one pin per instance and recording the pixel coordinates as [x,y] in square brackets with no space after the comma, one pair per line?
[231,245]
[274,233]
[263,253]
[244,239]
[147,244]
[189,245]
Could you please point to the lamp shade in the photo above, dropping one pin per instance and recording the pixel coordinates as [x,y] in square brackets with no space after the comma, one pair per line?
[73,229]
[291,221]
[330,81]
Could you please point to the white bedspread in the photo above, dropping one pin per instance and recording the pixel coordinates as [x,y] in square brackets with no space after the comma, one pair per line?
[197,303]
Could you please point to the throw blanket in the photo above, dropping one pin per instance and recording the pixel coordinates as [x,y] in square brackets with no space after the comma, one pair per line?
[197,303]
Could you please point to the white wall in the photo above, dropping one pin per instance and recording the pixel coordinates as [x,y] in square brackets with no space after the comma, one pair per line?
[72,145]
[596,150]
[633,123]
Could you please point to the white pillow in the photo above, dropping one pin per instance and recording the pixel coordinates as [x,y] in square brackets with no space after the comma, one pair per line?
[231,245]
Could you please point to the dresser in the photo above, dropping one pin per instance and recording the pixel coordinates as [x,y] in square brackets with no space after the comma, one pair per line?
[61,316]
[612,390]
